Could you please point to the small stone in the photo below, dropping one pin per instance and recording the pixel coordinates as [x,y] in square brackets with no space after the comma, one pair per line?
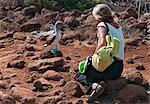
[1,76]
[140,67]
[137,57]
[35,58]
[2,45]
[130,60]
[45,88]
[148,54]
[64,102]
[31,41]
[30,79]
[29,54]
[3,85]
[19,36]
[62,82]
[79,101]
[30,48]
[68,58]
[13,75]
[34,89]
[146,84]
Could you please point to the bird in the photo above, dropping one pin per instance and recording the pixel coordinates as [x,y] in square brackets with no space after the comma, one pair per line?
[53,35]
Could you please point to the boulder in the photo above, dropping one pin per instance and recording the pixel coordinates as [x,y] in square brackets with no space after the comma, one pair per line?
[16,64]
[11,4]
[30,26]
[30,78]
[41,83]
[6,99]
[72,88]
[47,18]
[140,67]
[64,102]
[29,54]
[132,94]
[29,11]
[139,25]
[52,100]
[44,11]
[31,40]
[6,35]
[75,13]
[90,20]
[134,77]
[30,47]
[52,75]
[133,41]
[130,12]
[2,45]
[3,85]
[48,54]
[20,19]
[46,64]
[23,95]
[7,26]
[115,85]
[19,36]
[71,21]
[1,76]
[79,101]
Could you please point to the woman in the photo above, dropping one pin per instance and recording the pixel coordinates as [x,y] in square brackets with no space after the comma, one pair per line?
[103,14]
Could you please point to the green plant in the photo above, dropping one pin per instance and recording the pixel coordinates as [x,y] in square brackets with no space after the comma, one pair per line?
[48,3]
[69,4]
[80,4]
[32,2]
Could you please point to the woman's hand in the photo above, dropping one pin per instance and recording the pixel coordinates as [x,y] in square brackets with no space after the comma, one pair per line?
[102,32]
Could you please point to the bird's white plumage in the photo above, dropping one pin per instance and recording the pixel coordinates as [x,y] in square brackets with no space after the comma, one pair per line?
[53,32]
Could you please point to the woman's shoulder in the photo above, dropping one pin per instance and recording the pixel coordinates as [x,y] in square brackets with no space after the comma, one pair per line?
[101,24]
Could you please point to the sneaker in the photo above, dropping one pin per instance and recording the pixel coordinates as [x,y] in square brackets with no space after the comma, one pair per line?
[95,94]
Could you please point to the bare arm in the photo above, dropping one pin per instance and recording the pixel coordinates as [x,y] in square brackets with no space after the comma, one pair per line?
[102,34]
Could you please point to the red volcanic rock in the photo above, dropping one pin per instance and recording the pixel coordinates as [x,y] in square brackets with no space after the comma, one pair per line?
[52,75]
[132,94]
[23,95]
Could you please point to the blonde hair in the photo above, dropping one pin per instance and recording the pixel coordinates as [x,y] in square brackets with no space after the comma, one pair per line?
[101,11]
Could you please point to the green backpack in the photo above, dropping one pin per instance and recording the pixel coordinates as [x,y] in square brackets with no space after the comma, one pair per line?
[104,56]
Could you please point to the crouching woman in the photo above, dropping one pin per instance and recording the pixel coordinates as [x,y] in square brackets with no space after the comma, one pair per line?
[91,77]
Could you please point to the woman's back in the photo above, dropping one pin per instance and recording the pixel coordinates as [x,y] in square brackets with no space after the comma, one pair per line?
[117,33]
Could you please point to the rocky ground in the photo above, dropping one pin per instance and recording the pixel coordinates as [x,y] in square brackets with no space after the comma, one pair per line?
[29,74]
